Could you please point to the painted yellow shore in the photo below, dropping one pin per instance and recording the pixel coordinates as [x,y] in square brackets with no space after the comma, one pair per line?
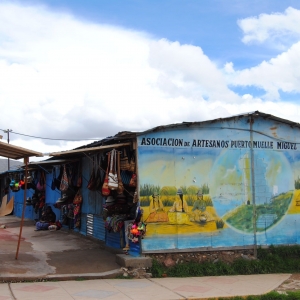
[294,208]
[187,228]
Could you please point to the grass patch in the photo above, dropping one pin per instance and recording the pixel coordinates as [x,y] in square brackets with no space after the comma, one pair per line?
[124,277]
[80,279]
[282,259]
[268,296]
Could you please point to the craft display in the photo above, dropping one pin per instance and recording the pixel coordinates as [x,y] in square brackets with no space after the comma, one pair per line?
[105,189]
[113,181]
[64,184]
[112,174]
[135,231]
[124,162]
[53,183]
[120,189]
[78,198]
[92,181]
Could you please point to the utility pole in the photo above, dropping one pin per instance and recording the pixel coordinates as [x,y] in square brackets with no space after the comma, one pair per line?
[253,186]
[8,131]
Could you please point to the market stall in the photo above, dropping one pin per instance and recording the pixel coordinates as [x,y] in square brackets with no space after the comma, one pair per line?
[14,152]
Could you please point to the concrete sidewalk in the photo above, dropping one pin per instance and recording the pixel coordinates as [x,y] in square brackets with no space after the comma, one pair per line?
[144,289]
[66,260]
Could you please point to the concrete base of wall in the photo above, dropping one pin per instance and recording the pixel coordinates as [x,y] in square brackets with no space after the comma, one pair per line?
[128,261]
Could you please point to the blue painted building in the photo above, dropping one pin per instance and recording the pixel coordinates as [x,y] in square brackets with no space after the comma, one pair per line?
[230,183]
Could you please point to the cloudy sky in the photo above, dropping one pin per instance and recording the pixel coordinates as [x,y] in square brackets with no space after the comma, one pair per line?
[84,70]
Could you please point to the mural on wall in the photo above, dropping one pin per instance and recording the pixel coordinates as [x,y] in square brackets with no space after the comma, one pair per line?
[199,193]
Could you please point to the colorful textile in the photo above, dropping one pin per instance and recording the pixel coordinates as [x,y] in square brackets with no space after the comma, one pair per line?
[42,225]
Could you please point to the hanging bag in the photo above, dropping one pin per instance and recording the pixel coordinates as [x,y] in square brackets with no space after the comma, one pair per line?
[133,180]
[92,181]
[77,216]
[102,170]
[22,182]
[41,185]
[79,178]
[53,186]
[59,177]
[70,173]
[113,176]
[105,189]
[78,198]
[98,184]
[126,176]
[120,189]
[132,163]
[64,183]
[124,164]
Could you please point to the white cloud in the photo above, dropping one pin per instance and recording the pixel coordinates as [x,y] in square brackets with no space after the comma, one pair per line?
[228,68]
[276,26]
[65,78]
[61,77]
[281,73]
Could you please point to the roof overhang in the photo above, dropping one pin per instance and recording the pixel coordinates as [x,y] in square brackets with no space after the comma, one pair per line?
[47,164]
[15,152]
[88,150]
[52,162]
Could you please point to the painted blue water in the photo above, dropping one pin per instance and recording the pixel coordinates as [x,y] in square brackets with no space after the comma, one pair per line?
[265,220]
[287,231]
[223,205]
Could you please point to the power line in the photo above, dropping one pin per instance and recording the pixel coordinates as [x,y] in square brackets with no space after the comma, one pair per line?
[45,138]
[97,139]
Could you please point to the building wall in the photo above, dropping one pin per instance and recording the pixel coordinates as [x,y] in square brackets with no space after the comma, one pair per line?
[92,223]
[236,177]
[51,196]
[91,210]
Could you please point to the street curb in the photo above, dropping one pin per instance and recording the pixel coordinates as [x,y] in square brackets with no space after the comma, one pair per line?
[63,277]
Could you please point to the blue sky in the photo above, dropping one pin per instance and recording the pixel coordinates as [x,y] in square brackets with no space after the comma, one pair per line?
[89,69]
[210,24]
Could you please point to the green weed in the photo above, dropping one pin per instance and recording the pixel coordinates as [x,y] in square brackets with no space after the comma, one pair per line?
[157,269]
[80,279]
[269,296]
[282,259]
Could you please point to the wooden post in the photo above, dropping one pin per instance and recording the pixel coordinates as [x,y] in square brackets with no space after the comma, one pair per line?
[26,159]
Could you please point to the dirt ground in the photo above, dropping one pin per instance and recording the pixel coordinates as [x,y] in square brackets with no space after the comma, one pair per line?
[43,253]
[169,259]
[292,284]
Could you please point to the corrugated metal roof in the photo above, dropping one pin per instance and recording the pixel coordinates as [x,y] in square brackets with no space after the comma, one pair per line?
[51,162]
[14,152]
[126,137]
[88,149]
[253,114]
[123,137]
